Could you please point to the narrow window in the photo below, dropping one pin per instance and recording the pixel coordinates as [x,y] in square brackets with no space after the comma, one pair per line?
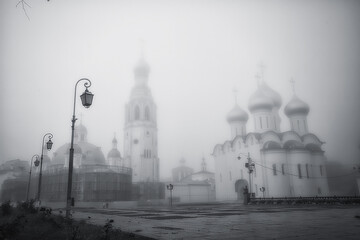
[220,178]
[137,113]
[319,190]
[307,170]
[283,169]
[305,127]
[321,170]
[292,125]
[275,122]
[298,123]
[256,189]
[299,170]
[267,122]
[274,169]
[261,126]
[147,113]
[230,176]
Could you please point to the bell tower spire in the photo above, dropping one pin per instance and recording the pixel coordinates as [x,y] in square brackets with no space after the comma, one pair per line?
[140,140]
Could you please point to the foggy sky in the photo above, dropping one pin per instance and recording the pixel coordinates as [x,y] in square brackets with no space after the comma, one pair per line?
[198,51]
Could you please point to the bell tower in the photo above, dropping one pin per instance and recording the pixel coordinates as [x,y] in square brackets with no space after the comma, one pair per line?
[140,140]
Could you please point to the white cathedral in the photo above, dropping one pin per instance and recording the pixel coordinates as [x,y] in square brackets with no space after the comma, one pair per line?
[286,164]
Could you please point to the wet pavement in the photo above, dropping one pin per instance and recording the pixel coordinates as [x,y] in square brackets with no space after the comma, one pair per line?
[233,221]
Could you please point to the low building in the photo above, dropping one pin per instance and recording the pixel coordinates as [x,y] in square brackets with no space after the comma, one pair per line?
[193,187]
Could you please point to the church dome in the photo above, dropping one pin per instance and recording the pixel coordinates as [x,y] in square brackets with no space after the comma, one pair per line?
[259,100]
[90,154]
[296,106]
[142,67]
[237,114]
[81,128]
[114,153]
[269,92]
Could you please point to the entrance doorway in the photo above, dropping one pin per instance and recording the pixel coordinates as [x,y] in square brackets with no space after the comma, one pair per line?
[239,188]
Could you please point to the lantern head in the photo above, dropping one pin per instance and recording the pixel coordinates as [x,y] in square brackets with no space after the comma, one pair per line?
[87,98]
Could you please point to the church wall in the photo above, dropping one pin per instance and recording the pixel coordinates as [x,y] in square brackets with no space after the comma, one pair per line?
[301,185]
[278,182]
[321,183]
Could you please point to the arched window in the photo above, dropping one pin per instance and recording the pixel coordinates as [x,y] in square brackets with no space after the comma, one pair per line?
[307,170]
[274,169]
[299,170]
[283,169]
[137,113]
[147,113]
[321,170]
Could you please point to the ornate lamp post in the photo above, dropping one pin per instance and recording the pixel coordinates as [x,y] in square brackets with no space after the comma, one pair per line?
[48,146]
[86,100]
[250,165]
[36,162]
[170,187]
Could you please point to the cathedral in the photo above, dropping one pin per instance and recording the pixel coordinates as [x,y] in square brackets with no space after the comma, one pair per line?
[270,163]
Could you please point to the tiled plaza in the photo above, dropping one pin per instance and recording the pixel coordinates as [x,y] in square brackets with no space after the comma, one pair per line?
[233,221]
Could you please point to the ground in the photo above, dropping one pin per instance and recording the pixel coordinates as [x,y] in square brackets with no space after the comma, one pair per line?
[233,221]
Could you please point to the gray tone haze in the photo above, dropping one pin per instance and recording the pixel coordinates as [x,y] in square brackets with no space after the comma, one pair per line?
[198,51]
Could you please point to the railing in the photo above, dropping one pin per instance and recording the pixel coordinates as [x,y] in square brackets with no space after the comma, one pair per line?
[308,200]
[88,168]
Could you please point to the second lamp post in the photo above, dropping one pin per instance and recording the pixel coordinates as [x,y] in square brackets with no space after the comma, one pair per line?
[48,146]
[86,100]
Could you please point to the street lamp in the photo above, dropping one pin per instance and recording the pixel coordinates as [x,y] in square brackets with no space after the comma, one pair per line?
[262,189]
[86,100]
[36,162]
[49,144]
[250,165]
[170,187]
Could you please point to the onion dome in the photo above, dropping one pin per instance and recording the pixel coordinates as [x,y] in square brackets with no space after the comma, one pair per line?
[114,153]
[90,154]
[142,67]
[259,100]
[296,106]
[81,129]
[237,114]
[269,92]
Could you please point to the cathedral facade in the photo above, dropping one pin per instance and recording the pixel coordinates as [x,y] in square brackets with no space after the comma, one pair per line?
[281,164]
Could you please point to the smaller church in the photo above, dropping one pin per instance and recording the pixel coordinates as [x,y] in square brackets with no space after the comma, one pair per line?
[281,163]
[191,187]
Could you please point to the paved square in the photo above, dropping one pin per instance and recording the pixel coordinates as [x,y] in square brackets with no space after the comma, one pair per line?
[234,221]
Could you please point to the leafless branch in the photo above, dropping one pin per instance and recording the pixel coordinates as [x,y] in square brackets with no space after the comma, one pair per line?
[23,5]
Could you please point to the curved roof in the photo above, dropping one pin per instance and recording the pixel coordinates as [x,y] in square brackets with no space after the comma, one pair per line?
[237,114]
[142,67]
[114,153]
[259,101]
[296,106]
[269,92]
[91,154]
